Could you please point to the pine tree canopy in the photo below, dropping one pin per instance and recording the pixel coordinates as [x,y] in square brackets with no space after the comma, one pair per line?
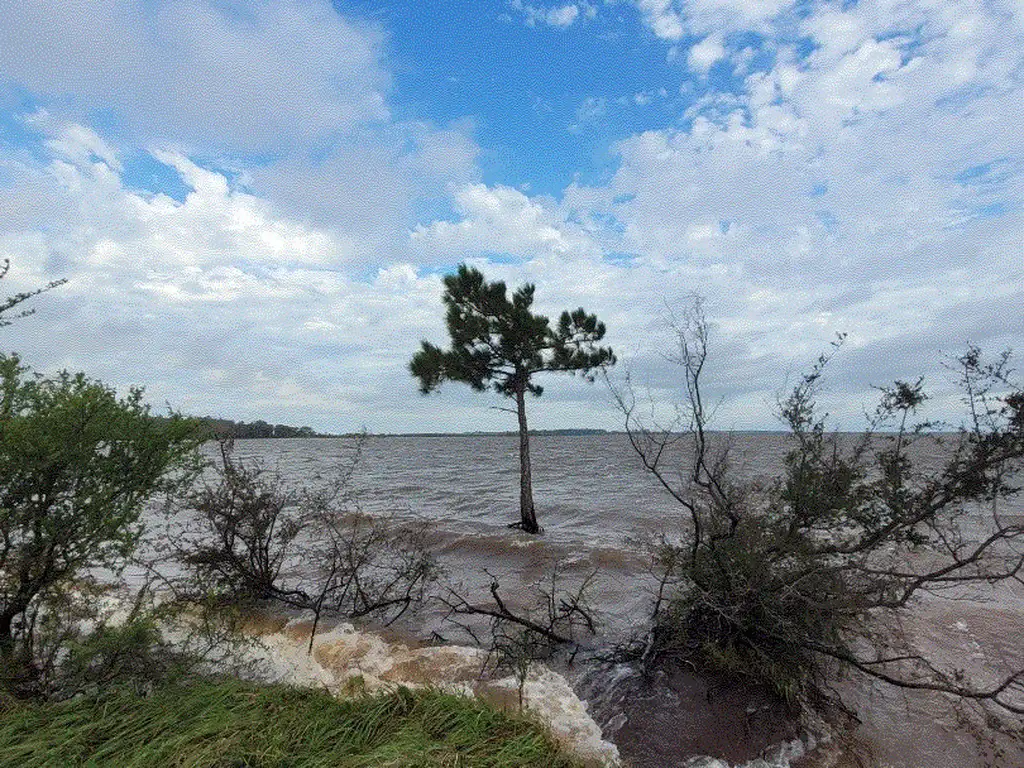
[499,343]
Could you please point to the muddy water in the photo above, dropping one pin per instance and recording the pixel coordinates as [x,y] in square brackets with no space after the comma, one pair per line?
[598,508]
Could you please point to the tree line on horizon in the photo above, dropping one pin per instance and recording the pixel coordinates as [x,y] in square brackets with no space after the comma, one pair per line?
[242,430]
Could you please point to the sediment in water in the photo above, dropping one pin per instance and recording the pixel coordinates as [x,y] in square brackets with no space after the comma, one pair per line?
[345,660]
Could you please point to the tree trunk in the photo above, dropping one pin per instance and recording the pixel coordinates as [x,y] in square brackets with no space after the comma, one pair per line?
[6,635]
[527,515]
[7,670]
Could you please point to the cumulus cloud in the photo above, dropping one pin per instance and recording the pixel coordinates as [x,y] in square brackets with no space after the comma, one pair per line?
[863,187]
[872,185]
[663,17]
[706,53]
[862,172]
[252,77]
[503,220]
[373,189]
[289,92]
[561,16]
[219,302]
[672,20]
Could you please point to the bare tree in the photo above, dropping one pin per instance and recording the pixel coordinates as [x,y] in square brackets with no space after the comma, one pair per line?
[557,616]
[782,581]
[252,539]
[9,303]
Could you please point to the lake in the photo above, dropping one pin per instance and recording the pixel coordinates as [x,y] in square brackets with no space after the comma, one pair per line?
[599,509]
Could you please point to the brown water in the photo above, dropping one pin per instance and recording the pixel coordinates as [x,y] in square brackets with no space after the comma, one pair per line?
[597,507]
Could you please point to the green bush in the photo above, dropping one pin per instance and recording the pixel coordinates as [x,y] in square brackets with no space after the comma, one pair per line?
[786,581]
[77,465]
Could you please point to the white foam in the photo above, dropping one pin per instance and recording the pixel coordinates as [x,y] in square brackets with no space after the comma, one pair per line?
[344,660]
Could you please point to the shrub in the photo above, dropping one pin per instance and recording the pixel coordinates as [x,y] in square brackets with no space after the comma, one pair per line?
[77,464]
[250,538]
[783,582]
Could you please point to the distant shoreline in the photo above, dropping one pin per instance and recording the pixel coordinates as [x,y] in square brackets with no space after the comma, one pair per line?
[545,433]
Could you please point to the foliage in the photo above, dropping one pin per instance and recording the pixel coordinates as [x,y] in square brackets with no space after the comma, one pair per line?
[253,539]
[9,303]
[227,429]
[77,464]
[231,723]
[132,655]
[821,567]
[499,343]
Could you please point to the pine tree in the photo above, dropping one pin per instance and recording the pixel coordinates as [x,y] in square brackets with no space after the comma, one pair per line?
[499,344]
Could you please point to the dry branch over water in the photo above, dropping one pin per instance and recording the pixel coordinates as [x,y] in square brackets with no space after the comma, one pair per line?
[783,581]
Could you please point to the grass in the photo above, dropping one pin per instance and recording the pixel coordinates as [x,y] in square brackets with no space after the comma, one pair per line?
[231,724]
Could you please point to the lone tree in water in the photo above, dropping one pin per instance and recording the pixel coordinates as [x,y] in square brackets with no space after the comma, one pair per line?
[500,344]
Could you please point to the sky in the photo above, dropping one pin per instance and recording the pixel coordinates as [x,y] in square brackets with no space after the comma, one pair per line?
[254,203]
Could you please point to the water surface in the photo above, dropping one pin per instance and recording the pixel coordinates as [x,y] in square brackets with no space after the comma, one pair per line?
[599,510]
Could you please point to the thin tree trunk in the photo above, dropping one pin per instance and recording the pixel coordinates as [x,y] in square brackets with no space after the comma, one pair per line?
[527,515]
[6,646]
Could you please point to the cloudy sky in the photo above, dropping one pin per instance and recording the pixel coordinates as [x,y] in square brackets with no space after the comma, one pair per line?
[254,202]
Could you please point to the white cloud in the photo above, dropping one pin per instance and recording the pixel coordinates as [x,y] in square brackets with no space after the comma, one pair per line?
[564,16]
[370,190]
[292,80]
[219,302]
[874,185]
[242,77]
[704,54]
[672,20]
[828,195]
[222,304]
[592,110]
[663,17]
[504,220]
[561,16]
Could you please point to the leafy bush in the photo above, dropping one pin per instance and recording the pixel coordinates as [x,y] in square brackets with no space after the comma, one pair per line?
[77,464]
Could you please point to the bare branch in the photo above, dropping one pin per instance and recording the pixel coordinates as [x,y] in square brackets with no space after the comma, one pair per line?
[822,565]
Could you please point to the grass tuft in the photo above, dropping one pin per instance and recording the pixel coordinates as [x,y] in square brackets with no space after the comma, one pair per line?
[232,724]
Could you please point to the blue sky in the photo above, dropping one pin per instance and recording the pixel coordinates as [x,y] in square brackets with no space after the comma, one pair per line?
[524,86]
[254,202]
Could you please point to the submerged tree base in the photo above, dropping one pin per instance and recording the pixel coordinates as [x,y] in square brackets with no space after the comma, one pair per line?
[520,525]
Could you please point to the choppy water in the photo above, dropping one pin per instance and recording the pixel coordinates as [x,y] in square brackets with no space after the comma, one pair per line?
[597,506]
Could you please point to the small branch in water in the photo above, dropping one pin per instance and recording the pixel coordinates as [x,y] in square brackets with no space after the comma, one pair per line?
[563,614]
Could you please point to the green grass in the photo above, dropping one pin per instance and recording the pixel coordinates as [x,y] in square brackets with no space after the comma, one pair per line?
[232,724]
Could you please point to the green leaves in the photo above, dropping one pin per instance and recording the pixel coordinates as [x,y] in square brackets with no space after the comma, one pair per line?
[497,342]
[77,464]
[428,365]
[574,344]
